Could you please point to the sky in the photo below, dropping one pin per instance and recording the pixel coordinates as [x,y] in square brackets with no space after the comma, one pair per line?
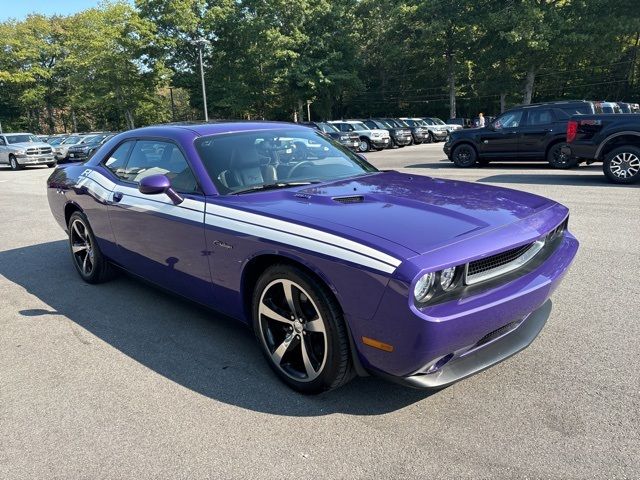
[19,9]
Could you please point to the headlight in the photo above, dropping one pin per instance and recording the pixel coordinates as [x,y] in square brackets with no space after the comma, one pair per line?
[447,276]
[423,287]
[344,137]
[20,152]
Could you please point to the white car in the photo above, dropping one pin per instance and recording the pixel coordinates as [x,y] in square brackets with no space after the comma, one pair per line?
[451,127]
[22,149]
[370,139]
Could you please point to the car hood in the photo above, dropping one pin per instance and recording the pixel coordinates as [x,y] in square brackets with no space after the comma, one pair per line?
[399,213]
[25,145]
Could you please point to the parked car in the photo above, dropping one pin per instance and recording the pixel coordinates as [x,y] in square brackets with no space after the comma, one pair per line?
[611,139]
[55,140]
[61,150]
[437,132]
[400,136]
[19,150]
[350,140]
[607,107]
[461,121]
[418,134]
[375,139]
[340,268]
[449,126]
[87,147]
[531,132]
[419,130]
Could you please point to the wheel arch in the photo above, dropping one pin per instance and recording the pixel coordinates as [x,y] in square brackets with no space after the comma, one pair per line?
[616,140]
[465,141]
[254,267]
[553,143]
[69,210]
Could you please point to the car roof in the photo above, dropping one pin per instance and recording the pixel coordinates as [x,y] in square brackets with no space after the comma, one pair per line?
[215,127]
[19,133]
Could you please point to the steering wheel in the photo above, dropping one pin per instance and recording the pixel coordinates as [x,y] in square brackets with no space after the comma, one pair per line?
[296,167]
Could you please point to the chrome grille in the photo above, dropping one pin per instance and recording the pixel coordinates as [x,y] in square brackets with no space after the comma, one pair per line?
[38,151]
[501,263]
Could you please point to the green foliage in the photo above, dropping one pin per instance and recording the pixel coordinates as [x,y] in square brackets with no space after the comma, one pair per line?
[111,67]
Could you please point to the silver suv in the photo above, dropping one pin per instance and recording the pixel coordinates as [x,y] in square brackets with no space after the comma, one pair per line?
[21,149]
[376,138]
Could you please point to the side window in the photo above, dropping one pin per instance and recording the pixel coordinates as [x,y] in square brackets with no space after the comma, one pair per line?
[118,158]
[508,120]
[540,116]
[2,141]
[151,157]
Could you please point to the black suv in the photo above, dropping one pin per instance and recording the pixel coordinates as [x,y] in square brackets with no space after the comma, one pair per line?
[400,136]
[348,139]
[534,132]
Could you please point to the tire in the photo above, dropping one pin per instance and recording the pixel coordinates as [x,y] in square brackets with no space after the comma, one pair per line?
[85,253]
[464,156]
[364,145]
[559,160]
[318,331]
[428,138]
[13,163]
[622,165]
[52,164]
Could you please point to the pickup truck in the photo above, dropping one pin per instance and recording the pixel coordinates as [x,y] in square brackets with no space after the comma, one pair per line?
[613,139]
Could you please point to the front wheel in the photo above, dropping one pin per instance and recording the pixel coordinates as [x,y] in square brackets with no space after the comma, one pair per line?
[464,156]
[87,257]
[622,165]
[301,331]
[52,164]
[364,145]
[13,163]
[558,159]
[428,138]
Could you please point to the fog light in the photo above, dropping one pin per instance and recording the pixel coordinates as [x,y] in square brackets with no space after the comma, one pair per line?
[423,287]
[439,364]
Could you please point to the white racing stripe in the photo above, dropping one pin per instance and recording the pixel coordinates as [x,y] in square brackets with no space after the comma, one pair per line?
[262,226]
[297,241]
[302,231]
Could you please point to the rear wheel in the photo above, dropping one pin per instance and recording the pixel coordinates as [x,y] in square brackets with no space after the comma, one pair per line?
[558,159]
[622,165]
[87,257]
[464,156]
[13,163]
[301,330]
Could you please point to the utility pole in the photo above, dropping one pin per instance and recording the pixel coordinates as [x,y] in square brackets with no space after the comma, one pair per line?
[309,102]
[201,44]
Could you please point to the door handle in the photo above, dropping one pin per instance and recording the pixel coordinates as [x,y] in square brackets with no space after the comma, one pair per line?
[117,196]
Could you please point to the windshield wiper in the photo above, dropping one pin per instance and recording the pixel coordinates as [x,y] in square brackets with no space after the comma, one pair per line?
[272,186]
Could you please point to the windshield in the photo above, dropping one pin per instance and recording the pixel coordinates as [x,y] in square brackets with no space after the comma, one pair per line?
[55,141]
[250,160]
[71,140]
[411,123]
[428,121]
[437,121]
[327,127]
[26,138]
[359,126]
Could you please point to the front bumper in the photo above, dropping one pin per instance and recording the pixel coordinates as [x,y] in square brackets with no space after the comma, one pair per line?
[350,144]
[35,159]
[402,140]
[440,135]
[446,148]
[484,356]
[380,142]
[77,156]
[459,328]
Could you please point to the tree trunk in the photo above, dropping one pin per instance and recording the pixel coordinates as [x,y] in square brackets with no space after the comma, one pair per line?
[528,86]
[452,84]
[73,119]
[503,101]
[129,116]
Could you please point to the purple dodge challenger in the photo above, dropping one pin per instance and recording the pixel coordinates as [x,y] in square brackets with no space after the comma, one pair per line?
[340,268]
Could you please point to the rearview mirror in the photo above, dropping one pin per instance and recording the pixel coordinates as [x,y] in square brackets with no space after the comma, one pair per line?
[156,184]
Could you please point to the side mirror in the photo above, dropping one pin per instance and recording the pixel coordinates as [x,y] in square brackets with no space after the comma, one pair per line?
[156,184]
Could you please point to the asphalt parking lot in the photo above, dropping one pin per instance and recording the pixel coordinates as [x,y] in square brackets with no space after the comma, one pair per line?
[121,380]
